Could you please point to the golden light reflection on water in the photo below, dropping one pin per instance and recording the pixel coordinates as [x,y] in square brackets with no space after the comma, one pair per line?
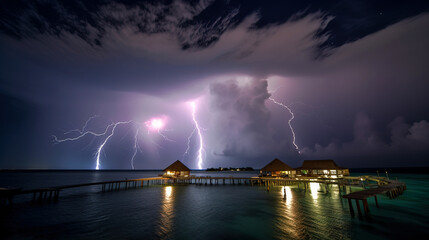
[335,192]
[314,189]
[166,213]
[287,195]
[299,211]
[167,192]
[288,222]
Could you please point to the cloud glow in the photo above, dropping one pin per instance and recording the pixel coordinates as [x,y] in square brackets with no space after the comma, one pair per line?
[155,124]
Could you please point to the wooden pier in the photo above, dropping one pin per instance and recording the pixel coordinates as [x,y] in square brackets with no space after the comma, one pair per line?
[390,187]
[51,194]
[7,194]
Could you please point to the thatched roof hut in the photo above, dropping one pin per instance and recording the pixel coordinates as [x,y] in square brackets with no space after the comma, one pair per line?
[177,169]
[177,166]
[325,168]
[277,168]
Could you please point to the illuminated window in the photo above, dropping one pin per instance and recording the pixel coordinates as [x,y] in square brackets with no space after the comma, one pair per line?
[333,171]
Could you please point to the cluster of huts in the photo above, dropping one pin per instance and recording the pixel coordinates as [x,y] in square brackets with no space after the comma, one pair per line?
[277,168]
[310,168]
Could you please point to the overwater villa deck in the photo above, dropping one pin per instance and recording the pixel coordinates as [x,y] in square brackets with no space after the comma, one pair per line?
[178,173]
[382,186]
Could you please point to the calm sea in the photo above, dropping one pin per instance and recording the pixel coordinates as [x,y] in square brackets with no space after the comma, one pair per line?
[207,212]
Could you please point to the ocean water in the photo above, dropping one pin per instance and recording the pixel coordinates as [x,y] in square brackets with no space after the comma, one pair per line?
[207,212]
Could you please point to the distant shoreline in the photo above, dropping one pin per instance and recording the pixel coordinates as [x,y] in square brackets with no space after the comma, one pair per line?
[382,170]
[221,169]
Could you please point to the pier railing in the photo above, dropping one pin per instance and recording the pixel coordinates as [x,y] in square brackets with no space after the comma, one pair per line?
[391,188]
[372,186]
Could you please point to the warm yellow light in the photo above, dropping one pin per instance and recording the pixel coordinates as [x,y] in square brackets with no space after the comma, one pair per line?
[314,188]
[167,210]
[168,191]
[287,195]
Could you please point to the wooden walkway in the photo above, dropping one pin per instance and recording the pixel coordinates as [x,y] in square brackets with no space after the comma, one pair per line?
[390,187]
[52,193]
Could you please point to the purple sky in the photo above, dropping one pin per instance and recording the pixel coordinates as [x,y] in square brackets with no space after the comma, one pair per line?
[361,101]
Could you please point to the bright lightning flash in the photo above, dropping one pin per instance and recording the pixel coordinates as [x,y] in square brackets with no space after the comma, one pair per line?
[155,124]
[136,147]
[97,167]
[289,122]
[200,137]
[189,142]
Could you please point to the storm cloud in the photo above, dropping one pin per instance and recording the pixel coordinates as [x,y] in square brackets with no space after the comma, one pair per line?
[404,143]
[62,63]
[240,118]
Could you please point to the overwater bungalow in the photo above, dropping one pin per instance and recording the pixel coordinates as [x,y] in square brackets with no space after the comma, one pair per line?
[277,168]
[322,168]
[177,169]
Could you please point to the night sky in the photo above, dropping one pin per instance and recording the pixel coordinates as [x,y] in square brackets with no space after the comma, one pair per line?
[355,74]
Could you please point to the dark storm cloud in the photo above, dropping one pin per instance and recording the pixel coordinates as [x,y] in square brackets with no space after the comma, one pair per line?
[382,75]
[195,23]
[242,130]
[130,61]
[178,43]
[126,60]
[240,118]
[406,143]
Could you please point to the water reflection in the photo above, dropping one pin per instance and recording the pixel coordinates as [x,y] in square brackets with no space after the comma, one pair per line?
[287,195]
[314,189]
[166,214]
[335,192]
[288,222]
[96,178]
[167,193]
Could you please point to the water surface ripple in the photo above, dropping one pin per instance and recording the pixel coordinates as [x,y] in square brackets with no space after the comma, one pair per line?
[206,212]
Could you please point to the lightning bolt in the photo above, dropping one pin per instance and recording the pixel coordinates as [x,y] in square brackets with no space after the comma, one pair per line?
[200,137]
[189,142]
[97,167]
[156,125]
[81,131]
[165,137]
[289,122]
[136,147]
